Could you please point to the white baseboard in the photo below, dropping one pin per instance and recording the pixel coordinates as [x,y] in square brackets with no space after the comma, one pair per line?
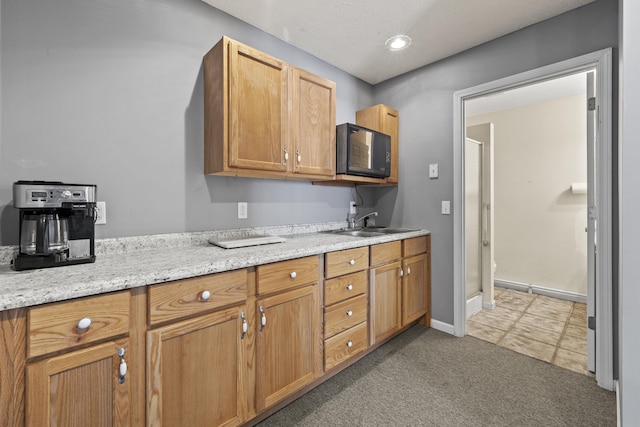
[441,326]
[474,305]
[541,290]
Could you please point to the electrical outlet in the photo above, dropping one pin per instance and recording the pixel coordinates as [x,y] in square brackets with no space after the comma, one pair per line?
[352,208]
[242,210]
[101,213]
[446,207]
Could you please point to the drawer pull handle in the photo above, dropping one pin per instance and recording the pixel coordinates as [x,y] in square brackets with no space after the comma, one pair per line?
[293,274]
[123,366]
[263,318]
[349,287]
[244,325]
[401,272]
[349,313]
[84,323]
[205,295]
[349,343]
[352,261]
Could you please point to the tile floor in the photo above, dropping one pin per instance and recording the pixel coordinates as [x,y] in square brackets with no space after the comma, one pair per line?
[541,327]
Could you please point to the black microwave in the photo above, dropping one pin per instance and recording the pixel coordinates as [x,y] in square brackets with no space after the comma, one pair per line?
[361,151]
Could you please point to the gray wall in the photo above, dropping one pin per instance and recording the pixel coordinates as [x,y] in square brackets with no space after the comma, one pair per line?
[629,213]
[424,99]
[111,93]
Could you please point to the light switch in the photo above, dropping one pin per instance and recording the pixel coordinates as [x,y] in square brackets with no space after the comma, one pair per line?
[446,207]
[433,170]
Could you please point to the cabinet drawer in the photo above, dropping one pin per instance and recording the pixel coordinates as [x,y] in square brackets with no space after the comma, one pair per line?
[187,297]
[341,347]
[344,287]
[414,246]
[344,315]
[347,261]
[287,274]
[385,253]
[56,326]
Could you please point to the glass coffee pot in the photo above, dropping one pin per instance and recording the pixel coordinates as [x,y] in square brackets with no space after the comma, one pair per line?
[44,234]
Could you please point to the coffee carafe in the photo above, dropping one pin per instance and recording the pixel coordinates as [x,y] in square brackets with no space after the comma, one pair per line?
[44,234]
[56,224]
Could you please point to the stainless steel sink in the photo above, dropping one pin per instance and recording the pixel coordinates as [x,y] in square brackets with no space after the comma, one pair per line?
[370,231]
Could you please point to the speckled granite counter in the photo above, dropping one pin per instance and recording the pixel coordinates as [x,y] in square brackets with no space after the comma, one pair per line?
[138,261]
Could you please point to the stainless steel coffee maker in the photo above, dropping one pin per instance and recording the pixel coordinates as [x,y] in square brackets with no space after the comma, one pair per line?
[56,224]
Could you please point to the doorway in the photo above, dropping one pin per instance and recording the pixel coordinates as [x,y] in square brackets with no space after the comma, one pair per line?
[601,62]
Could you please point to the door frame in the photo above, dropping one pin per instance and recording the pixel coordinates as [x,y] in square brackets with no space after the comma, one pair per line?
[601,61]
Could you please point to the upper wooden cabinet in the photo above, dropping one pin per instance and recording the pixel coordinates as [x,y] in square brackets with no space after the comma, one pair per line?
[264,117]
[383,119]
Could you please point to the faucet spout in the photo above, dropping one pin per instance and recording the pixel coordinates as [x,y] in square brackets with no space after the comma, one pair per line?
[354,222]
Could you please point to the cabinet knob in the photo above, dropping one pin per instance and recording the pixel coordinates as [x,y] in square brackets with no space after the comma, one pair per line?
[84,323]
[349,313]
[349,287]
[401,272]
[286,156]
[408,270]
[349,343]
[293,274]
[299,156]
[352,261]
[205,295]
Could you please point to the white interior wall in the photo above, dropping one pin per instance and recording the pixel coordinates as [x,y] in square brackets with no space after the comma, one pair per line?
[540,150]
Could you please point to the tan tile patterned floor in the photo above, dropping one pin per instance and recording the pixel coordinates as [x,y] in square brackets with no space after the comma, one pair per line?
[541,327]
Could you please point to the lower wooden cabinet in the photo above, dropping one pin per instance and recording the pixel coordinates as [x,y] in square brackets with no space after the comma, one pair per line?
[385,301]
[195,371]
[415,296]
[287,344]
[80,388]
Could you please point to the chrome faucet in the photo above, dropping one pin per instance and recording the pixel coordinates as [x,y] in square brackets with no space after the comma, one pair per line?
[353,222]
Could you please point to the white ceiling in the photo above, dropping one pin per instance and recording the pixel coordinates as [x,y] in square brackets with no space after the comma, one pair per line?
[351,34]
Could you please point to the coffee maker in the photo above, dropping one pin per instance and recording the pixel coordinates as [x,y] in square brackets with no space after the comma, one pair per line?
[57,224]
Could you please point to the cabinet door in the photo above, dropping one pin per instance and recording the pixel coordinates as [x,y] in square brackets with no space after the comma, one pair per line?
[80,388]
[385,301]
[288,344]
[313,124]
[415,296]
[195,371]
[258,110]
[385,119]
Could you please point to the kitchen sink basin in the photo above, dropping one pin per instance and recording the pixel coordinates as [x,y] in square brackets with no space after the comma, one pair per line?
[369,231]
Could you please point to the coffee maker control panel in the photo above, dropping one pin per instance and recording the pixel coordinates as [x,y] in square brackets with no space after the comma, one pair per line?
[45,194]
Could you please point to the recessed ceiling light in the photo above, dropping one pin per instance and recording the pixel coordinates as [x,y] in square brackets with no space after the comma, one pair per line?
[398,42]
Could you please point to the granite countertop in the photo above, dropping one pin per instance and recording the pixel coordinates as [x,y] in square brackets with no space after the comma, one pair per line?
[124,263]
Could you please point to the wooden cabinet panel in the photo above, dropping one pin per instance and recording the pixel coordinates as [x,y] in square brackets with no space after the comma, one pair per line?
[414,246]
[384,300]
[344,345]
[284,275]
[54,327]
[343,287]
[386,252]
[344,315]
[196,371]
[258,115]
[383,119]
[80,388]
[288,354]
[346,261]
[415,296]
[313,124]
[174,300]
